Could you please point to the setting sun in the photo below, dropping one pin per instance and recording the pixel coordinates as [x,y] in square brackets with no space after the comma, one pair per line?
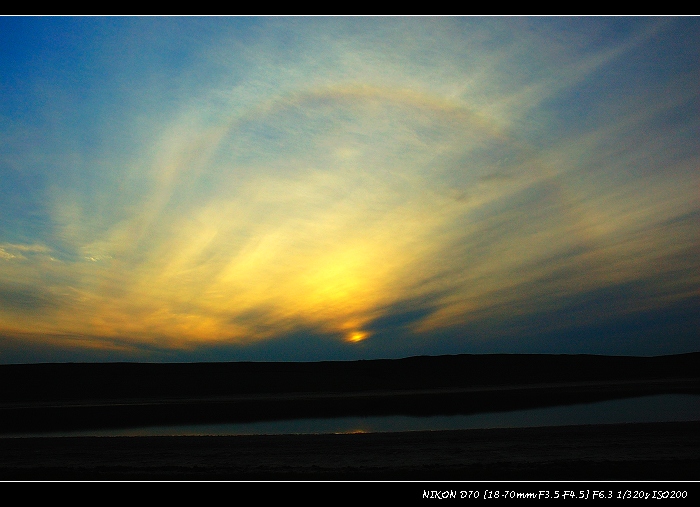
[357,336]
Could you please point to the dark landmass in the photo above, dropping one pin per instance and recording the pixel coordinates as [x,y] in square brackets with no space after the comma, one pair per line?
[64,397]
[73,396]
[617,452]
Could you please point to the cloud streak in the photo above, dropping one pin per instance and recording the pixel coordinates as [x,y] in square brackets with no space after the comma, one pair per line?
[332,170]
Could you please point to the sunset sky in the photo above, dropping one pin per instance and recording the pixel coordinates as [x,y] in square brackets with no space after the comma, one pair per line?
[210,189]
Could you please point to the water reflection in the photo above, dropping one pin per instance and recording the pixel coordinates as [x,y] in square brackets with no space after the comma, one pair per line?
[659,408]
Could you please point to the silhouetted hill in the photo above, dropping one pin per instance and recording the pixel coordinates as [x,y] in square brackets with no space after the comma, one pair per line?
[102,381]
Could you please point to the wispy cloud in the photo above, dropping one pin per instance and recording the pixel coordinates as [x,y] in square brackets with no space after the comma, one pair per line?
[283,175]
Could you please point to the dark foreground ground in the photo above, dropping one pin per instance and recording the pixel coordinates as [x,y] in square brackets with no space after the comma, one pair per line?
[649,452]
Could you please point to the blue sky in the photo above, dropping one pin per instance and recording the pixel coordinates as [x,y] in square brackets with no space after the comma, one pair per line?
[186,189]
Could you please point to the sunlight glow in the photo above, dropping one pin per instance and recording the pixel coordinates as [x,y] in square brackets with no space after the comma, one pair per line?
[396,178]
[357,336]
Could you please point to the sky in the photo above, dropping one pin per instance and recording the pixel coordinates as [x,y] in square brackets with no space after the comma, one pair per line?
[287,188]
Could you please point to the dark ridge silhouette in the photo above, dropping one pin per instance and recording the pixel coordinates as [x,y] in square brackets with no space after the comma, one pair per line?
[109,381]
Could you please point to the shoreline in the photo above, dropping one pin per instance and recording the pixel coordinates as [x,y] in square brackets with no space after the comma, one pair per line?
[632,451]
[78,415]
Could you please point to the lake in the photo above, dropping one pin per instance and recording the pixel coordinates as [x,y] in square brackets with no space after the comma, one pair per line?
[658,408]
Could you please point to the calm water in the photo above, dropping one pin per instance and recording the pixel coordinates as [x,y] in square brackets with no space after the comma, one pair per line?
[660,408]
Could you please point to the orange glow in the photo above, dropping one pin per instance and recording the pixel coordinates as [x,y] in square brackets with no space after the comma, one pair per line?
[357,336]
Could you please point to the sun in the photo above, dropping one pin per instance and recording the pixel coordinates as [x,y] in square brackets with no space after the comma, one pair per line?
[357,336]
